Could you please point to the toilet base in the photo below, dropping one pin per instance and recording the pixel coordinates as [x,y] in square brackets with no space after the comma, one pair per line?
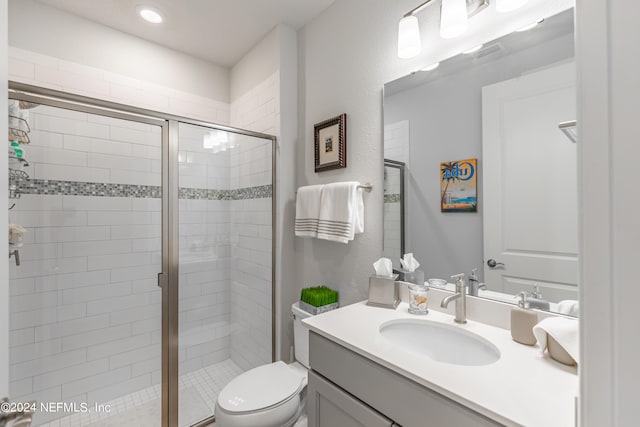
[284,415]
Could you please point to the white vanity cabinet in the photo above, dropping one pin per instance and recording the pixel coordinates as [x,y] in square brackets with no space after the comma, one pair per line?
[346,389]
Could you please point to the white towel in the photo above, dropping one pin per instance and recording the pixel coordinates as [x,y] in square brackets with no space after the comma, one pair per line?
[308,210]
[564,331]
[341,212]
[569,307]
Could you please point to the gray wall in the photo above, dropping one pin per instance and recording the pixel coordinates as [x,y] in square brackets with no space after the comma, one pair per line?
[286,285]
[445,118]
[40,28]
[256,66]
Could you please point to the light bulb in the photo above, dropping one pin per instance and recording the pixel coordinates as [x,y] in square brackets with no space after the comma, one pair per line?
[453,18]
[150,15]
[504,6]
[409,44]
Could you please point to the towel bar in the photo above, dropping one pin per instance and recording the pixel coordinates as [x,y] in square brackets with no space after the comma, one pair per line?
[366,187]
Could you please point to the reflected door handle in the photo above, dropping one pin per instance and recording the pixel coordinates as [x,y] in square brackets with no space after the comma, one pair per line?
[492,263]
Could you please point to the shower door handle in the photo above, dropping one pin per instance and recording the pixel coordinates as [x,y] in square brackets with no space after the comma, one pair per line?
[162,280]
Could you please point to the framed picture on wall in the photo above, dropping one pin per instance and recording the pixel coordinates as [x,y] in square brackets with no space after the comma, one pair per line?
[331,143]
[459,186]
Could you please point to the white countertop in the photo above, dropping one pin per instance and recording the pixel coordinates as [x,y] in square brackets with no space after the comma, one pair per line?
[523,388]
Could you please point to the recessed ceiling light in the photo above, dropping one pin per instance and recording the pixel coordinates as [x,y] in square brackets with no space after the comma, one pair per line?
[473,49]
[431,67]
[150,14]
[530,26]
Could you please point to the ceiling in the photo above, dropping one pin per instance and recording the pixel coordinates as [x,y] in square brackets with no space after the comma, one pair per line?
[219,31]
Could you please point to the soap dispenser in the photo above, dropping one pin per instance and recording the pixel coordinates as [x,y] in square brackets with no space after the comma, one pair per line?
[522,321]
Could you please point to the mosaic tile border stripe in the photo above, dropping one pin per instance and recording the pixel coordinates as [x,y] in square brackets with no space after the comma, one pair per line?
[392,198]
[260,192]
[98,189]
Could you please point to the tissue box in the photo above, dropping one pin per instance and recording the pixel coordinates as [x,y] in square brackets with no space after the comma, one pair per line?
[383,292]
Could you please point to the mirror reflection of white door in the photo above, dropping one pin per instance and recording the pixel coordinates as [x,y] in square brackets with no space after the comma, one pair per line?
[530,184]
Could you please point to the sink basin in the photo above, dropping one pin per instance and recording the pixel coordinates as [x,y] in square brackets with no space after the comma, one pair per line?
[440,342]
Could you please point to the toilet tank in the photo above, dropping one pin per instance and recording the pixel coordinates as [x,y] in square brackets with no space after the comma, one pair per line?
[300,335]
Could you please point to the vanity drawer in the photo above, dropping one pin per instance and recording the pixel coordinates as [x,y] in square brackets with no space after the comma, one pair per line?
[400,399]
[331,406]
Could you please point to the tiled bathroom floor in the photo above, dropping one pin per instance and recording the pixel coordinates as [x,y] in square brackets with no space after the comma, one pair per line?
[198,393]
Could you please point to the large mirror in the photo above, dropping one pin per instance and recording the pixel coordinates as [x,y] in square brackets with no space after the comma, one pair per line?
[490,153]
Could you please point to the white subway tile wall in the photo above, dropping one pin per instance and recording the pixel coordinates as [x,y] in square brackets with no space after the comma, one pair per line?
[396,147]
[53,73]
[85,307]
[396,141]
[204,310]
[251,227]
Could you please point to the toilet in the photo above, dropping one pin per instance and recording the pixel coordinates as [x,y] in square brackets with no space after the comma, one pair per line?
[270,395]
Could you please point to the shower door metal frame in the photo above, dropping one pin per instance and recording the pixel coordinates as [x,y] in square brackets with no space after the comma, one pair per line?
[168,279]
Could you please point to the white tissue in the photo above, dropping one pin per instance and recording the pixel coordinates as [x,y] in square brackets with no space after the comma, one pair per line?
[409,263]
[383,267]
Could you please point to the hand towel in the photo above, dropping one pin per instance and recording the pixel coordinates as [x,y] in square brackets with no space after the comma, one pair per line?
[341,212]
[564,331]
[308,210]
[569,307]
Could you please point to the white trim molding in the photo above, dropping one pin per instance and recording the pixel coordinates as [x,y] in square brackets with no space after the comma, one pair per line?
[608,58]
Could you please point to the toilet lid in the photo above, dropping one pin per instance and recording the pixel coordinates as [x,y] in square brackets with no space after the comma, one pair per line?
[260,388]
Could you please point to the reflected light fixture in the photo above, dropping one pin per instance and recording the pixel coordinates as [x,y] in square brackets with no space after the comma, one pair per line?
[217,141]
[453,18]
[409,44]
[150,14]
[473,49]
[430,67]
[530,26]
[504,6]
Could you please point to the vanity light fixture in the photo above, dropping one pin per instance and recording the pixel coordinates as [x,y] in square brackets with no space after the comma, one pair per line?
[473,49]
[409,44]
[530,26]
[504,6]
[431,67]
[150,14]
[454,20]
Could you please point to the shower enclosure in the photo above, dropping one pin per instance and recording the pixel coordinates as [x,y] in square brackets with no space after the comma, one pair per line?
[145,276]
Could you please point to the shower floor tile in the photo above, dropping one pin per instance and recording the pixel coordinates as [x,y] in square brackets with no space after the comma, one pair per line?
[198,393]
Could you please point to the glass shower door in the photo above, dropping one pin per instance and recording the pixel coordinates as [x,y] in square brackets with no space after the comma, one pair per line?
[85,308]
[225,261]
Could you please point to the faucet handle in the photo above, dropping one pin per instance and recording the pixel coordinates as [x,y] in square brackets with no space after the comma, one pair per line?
[536,291]
[474,274]
[522,298]
[459,279]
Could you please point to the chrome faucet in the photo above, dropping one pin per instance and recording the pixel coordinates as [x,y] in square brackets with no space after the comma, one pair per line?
[460,297]
[474,283]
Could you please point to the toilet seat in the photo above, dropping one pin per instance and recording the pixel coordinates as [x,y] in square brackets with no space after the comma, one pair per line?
[260,389]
